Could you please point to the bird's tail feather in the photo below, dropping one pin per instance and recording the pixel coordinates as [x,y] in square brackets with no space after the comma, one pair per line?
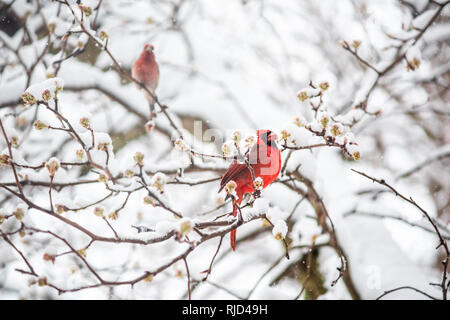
[233,232]
[151,103]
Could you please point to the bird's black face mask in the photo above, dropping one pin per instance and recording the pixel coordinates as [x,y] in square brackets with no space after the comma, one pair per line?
[268,139]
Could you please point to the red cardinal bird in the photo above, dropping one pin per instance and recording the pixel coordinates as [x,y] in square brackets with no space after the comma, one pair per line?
[265,159]
[146,70]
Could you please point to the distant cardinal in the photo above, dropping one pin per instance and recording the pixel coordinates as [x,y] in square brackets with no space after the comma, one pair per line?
[146,71]
[265,160]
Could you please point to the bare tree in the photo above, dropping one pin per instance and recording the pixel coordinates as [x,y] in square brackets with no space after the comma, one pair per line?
[93,197]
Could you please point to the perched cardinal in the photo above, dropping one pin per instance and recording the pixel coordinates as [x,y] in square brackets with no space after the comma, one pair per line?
[265,160]
[146,71]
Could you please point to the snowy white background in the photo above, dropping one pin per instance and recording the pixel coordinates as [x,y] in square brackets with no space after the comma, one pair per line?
[228,65]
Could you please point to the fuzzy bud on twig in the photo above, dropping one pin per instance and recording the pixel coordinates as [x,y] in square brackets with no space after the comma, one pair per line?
[236,137]
[185,226]
[324,86]
[413,58]
[284,135]
[226,149]
[129,173]
[103,35]
[324,120]
[19,213]
[82,252]
[85,123]
[139,158]
[39,125]
[4,159]
[60,208]
[356,44]
[52,166]
[103,146]
[149,278]
[279,230]
[258,183]
[158,181]
[336,129]
[300,122]
[98,211]
[302,96]
[150,125]
[46,95]
[250,141]
[307,93]
[79,154]
[14,141]
[28,98]
[113,215]
[352,148]
[42,282]
[344,44]
[87,11]
[180,145]
[48,257]
[149,200]
[230,188]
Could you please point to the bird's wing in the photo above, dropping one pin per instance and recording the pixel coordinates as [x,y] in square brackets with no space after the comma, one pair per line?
[233,171]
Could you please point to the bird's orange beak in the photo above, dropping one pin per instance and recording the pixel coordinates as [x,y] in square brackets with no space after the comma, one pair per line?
[149,47]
